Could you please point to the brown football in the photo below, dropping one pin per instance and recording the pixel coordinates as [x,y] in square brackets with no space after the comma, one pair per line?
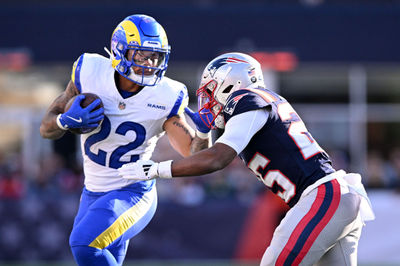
[89,98]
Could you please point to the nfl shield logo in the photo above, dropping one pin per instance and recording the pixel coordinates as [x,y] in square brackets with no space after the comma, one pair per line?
[121,105]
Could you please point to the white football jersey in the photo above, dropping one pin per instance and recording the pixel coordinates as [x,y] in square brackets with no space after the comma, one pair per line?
[131,126]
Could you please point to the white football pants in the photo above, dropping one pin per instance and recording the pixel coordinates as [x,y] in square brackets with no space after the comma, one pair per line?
[326,218]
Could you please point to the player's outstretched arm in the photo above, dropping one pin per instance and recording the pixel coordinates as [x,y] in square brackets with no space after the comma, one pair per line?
[49,128]
[204,162]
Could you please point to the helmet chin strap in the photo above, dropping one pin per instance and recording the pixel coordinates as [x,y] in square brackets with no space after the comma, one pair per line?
[107,51]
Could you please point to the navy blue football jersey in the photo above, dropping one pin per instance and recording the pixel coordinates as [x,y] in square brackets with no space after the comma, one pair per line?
[282,154]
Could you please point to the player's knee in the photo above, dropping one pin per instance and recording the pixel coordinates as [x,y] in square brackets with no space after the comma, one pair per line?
[89,256]
[82,254]
[82,236]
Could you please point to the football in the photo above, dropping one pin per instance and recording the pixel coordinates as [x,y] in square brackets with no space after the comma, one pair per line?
[89,98]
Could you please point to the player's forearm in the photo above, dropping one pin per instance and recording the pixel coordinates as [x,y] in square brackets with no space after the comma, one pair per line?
[203,162]
[194,166]
[49,128]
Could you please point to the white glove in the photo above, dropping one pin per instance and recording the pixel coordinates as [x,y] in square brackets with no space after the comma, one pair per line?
[146,170]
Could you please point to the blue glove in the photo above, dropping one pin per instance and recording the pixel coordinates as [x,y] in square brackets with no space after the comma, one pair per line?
[78,117]
[200,120]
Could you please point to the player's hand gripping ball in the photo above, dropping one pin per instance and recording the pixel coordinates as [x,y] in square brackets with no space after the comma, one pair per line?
[86,117]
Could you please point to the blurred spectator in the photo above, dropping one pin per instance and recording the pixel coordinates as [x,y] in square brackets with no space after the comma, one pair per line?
[216,186]
[70,181]
[11,182]
[54,178]
[340,159]
[375,170]
[189,192]
[11,186]
[392,178]
[245,185]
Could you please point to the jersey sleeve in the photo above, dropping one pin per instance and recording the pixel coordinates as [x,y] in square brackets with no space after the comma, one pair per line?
[76,72]
[241,128]
[180,103]
[242,101]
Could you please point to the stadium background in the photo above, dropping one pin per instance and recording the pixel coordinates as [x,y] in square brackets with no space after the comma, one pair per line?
[337,61]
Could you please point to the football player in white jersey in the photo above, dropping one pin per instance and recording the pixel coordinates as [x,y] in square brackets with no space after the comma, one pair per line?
[328,207]
[140,105]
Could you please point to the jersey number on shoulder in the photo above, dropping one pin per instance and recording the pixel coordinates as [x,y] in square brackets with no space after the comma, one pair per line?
[272,177]
[122,129]
[298,131]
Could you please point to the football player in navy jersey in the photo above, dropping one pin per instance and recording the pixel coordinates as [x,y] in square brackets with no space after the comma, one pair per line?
[140,105]
[328,207]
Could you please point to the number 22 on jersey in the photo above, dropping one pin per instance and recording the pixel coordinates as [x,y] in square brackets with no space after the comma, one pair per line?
[115,158]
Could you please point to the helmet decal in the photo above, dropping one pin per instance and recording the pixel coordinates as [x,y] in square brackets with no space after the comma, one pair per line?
[164,39]
[216,64]
[131,32]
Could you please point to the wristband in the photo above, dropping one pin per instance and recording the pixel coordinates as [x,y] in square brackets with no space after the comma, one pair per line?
[202,135]
[59,124]
[165,169]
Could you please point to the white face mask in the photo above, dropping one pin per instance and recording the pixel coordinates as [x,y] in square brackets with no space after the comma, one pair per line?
[219,120]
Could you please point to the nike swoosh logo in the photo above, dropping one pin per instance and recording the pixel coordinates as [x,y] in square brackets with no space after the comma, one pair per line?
[76,120]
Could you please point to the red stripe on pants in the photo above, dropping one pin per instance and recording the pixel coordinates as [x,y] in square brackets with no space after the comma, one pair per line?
[306,219]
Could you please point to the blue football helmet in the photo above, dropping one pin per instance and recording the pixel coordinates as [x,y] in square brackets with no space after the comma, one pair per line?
[140,50]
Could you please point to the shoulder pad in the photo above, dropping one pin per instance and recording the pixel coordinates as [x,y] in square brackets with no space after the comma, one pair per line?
[242,101]
[76,72]
[181,101]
